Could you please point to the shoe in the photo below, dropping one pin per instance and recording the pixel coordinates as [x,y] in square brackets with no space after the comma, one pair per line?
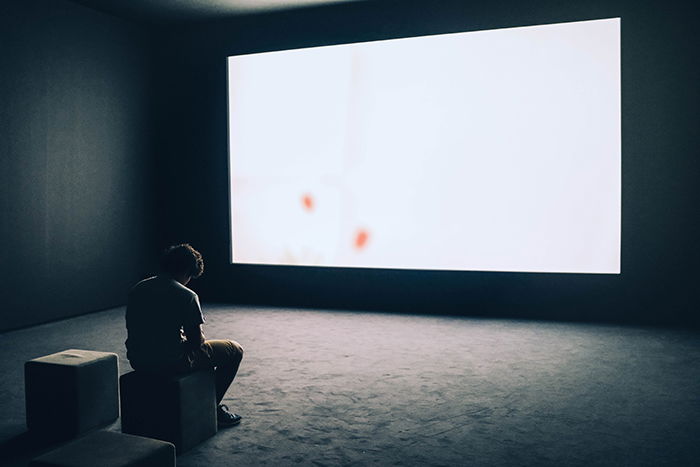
[225,418]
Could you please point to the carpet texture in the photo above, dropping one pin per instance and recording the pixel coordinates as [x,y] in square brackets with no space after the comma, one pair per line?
[352,388]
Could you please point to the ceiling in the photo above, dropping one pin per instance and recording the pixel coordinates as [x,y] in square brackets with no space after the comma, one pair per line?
[159,11]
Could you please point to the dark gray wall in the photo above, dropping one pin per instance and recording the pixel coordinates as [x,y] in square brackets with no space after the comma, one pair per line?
[91,106]
[76,172]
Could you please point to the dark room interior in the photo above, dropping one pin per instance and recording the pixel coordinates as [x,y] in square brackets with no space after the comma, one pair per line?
[113,145]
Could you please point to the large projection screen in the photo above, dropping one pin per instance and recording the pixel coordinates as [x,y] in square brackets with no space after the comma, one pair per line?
[494,150]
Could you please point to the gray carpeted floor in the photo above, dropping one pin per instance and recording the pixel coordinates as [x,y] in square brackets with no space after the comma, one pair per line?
[344,388]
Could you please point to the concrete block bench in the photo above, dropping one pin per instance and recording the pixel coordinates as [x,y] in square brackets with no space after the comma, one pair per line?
[180,409]
[109,449]
[71,392]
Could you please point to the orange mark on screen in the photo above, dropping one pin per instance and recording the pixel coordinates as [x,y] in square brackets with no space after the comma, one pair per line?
[308,202]
[361,238]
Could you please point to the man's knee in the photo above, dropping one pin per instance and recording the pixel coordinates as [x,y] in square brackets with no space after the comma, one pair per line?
[224,352]
[235,351]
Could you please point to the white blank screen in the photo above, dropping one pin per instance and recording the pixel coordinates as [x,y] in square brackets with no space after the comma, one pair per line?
[493,150]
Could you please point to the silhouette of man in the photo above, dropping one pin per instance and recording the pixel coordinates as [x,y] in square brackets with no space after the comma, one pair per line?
[164,327]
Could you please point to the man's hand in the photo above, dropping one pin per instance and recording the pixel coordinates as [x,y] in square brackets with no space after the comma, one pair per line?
[194,336]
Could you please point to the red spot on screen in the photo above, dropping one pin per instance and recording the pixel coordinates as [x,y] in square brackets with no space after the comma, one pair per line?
[361,237]
[308,202]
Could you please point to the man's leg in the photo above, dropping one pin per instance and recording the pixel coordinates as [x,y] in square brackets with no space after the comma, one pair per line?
[226,357]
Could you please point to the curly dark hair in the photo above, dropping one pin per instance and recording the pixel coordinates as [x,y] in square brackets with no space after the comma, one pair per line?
[182,259]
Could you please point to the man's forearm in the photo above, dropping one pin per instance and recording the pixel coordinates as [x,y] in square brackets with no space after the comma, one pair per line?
[194,336]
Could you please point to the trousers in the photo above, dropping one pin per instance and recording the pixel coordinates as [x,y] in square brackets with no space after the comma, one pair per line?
[224,356]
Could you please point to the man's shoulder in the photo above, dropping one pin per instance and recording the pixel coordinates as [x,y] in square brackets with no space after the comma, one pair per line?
[183,290]
[145,282]
[164,285]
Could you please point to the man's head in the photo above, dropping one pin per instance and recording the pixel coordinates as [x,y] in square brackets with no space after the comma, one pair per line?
[182,262]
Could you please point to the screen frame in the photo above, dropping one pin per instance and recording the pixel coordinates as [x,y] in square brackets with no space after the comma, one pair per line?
[231,232]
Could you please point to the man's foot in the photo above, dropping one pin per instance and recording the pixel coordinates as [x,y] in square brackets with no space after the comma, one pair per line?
[225,418]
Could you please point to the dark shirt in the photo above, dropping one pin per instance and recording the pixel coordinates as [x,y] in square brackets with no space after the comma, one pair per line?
[158,309]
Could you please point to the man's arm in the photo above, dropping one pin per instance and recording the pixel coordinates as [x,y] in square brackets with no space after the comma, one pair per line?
[194,336]
[192,326]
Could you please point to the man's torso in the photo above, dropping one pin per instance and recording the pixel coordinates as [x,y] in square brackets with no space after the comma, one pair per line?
[158,308]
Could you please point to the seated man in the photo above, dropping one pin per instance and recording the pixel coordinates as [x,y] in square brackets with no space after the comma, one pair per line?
[164,333]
